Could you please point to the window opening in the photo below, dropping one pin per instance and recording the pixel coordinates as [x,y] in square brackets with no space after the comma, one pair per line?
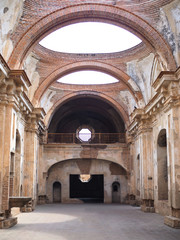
[87,77]
[84,134]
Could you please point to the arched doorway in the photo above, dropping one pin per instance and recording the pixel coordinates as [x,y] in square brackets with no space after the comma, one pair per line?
[116,195]
[56,192]
[86,180]
[162,165]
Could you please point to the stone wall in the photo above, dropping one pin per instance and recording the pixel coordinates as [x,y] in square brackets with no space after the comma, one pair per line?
[60,172]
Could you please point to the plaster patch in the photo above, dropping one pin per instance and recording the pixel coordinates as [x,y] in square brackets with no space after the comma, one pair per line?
[10,13]
[164,27]
[46,102]
[128,100]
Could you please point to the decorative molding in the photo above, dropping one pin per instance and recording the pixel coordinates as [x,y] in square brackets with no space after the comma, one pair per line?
[167,86]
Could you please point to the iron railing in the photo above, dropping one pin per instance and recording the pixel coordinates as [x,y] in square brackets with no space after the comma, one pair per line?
[95,138]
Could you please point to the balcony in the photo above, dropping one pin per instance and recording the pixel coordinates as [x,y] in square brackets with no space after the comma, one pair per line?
[95,138]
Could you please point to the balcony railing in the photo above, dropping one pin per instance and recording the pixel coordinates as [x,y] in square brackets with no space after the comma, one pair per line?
[106,138]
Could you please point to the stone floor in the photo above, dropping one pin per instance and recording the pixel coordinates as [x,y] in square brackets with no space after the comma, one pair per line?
[89,222]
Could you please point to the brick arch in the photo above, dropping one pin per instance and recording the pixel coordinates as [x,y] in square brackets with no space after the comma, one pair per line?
[94,94]
[84,12]
[87,65]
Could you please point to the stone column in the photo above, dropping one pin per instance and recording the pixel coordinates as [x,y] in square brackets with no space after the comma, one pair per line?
[2,132]
[6,135]
[31,160]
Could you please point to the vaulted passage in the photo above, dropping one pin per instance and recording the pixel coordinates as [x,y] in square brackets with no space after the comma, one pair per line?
[86,110]
[99,117]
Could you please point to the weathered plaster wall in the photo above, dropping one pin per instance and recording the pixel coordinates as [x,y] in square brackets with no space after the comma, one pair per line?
[30,67]
[19,175]
[161,206]
[117,153]
[140,71]
[127,99]
[10,13]
[49,97]
[136,177]
[169,26]
[61,171]
[53,154]
[146,169]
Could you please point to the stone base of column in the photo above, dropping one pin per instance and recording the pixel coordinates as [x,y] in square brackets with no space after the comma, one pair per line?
[148,205]
[42,199]
[7,222]
[172,221]
[26,209]
[147,209]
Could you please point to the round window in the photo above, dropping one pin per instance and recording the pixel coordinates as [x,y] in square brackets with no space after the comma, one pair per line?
[84,134]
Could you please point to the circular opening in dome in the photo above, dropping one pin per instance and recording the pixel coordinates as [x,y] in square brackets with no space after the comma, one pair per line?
[84,134]
[87,77]
[90,37]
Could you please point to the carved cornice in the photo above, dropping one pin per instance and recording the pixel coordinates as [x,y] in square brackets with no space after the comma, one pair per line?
[167,86]
[13,91]
[21,79]
[35,121]
[164,78]
[14,85]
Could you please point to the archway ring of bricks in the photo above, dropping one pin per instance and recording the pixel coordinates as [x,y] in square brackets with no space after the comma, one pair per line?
[83,12]
[87,65]
[121,111]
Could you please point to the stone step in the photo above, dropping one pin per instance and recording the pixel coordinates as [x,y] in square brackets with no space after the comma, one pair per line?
[7,223]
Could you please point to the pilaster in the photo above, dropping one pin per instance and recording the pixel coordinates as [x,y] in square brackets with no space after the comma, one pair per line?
[166,102]
[32,132]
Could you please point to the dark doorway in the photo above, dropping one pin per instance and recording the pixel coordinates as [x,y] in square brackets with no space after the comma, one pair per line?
[92,191]
[116,198]
[57,192]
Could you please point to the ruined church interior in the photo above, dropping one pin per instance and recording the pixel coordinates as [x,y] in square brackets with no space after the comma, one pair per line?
[106,143]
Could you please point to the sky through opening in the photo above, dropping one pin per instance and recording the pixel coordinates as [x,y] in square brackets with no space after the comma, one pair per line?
[90,37]
[87,77]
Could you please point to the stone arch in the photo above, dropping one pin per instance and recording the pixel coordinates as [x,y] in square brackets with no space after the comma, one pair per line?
[89,65]
[61,171]
[121,111]
[162,165]
[82,12]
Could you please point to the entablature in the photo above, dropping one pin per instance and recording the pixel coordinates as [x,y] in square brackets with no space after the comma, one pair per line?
[14,86]
[35,121]
[167,86]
